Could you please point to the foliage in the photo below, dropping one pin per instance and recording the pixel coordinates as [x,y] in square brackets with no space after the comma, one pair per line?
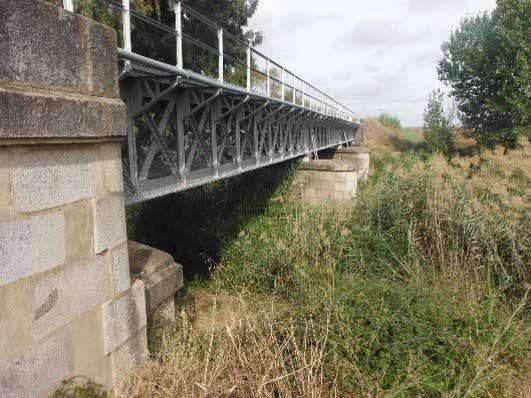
[388,120]
[437,129]
[486,64]
[419,288]
[155,42]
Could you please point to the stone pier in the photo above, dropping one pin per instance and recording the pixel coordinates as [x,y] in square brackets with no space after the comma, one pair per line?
[334,177]
[67,305]
[318,181]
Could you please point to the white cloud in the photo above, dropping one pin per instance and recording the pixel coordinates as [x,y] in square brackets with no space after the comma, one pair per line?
[369,55]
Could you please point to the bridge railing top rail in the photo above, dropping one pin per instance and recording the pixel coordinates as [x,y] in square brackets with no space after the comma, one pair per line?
[190,41]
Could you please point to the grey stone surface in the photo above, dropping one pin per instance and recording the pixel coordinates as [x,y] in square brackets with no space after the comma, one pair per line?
[27,375]
[45,178]
[162,277]
[124,317]
[120,269]
[129,356]
[326,165]
[4,178]
[353,149]
[79,231]
[15,319]
[60,297]
[111,164]
[30,246]
[66,51]
[110,229]
[30,113]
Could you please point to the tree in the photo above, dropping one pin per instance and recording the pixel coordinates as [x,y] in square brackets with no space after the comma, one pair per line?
[437,128]
[486,65]
[159,43]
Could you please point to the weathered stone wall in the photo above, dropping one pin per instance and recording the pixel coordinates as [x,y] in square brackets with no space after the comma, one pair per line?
[67,306]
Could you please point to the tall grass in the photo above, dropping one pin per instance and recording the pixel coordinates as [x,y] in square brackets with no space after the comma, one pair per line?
[418,288]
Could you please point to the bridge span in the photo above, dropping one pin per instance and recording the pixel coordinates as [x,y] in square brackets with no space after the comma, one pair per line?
[205,105]
[73,154]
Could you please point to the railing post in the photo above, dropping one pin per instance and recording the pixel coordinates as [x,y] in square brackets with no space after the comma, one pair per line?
[249,68]
[268,76]
[283,84]
[294,91]
[127,29]
[68,5]
[179,29]
[220,49]
[303,93]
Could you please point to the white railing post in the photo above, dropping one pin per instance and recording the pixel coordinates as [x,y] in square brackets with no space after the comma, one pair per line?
[68,5]
[220,49]
[283,84]
[179,29]
[248,68]
[303,92]
[294,91]
[127,29]
[268,76]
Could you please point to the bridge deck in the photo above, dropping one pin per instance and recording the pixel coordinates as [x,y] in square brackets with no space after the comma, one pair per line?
[185,128]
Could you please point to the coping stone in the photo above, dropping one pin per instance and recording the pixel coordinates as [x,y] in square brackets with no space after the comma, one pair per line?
[327,165]
[45,46]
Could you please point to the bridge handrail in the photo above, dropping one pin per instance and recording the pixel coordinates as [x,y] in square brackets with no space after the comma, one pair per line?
[325,105]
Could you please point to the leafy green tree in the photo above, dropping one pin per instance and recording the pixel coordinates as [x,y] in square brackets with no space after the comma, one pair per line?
[438,127]
[486,64]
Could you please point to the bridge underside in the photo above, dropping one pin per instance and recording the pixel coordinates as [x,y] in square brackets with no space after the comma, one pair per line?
[183,133]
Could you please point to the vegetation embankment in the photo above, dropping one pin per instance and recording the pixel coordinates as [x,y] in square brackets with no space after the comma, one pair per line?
[419,287]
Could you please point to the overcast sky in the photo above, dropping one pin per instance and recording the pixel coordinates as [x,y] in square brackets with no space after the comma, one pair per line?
[372,55]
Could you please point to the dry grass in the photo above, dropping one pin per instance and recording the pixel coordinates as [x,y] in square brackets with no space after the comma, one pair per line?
[259,355]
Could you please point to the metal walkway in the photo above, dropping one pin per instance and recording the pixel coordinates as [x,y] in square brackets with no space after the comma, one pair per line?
[187,128]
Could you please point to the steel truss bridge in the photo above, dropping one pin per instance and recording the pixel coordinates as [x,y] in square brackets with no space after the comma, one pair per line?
[187,127]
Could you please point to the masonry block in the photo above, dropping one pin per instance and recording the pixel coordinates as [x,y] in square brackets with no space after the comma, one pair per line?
[109,224]
[79,231]
[111,168]
[124,317]
[56,303]
[5,191]
[29,246]
[28,374]
[86,333]
[49,177]
[15,318]
[120,269]
[129,357]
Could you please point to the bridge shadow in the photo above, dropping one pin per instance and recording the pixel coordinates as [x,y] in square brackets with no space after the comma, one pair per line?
[193,225]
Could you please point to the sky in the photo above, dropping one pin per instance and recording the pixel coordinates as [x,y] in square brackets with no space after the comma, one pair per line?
[372,55]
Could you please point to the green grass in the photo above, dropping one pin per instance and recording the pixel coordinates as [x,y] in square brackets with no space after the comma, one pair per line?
[417,302]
